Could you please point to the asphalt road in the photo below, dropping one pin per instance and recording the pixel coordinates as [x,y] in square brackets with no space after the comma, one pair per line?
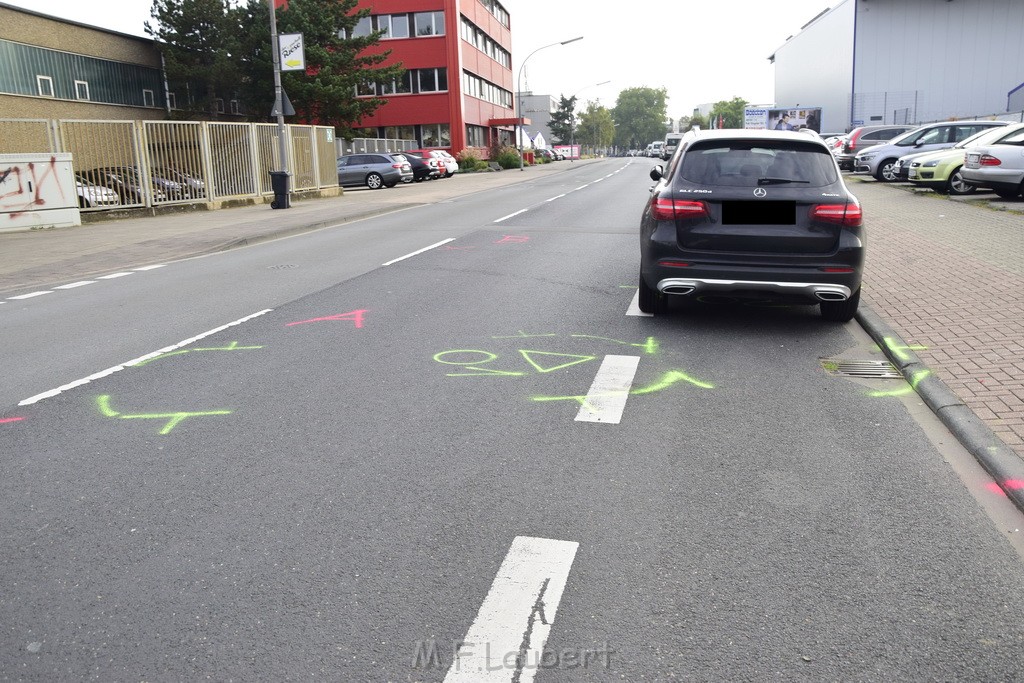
[477,442]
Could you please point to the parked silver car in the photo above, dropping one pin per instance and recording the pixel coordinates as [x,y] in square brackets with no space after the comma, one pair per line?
[375,171]
[862,137]
[999,164]
[880,160]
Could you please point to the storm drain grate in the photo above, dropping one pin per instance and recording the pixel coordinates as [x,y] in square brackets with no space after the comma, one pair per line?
[872,369]
[283,266]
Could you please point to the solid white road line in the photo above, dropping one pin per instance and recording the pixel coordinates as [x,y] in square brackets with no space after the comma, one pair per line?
[112,276]
[554,198]
[608,394]
[154,267]
[506,640]
[122,366]
[27,296]
[634,308]
[80,283]
[505,218]
[420,251]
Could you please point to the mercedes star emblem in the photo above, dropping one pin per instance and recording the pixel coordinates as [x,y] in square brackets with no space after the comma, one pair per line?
[760,192]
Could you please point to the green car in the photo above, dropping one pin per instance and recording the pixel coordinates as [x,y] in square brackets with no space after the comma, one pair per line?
[940,170]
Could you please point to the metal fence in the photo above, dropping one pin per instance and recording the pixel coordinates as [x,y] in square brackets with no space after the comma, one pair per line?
[150,163]
[370,145]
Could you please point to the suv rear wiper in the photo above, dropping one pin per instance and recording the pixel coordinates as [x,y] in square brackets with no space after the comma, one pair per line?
[779,181]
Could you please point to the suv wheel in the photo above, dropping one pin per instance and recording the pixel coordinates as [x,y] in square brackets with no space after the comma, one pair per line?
[374,181]
[841,311]
[885,171]
[651,300]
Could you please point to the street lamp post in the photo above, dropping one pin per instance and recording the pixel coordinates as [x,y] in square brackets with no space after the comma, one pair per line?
[572,115]
[519,92]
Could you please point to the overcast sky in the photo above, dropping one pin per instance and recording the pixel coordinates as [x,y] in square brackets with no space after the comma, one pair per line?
[700,51]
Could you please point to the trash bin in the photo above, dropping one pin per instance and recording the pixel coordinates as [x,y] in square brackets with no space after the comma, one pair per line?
[279,183]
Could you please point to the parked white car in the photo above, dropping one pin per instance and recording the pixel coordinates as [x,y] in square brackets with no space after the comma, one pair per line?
[91,195]
[999,165]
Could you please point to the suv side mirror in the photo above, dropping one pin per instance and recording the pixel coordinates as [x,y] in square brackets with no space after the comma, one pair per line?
[658,172]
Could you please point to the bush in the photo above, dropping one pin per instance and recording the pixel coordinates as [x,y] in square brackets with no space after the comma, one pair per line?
[481,165]
[468,159]
[508,157]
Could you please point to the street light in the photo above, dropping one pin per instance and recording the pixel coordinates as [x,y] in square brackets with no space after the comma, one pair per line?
[572,115]
[519,90]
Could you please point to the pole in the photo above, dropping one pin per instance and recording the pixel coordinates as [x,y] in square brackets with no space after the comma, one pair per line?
[572,115]
[519,92]
[282,144]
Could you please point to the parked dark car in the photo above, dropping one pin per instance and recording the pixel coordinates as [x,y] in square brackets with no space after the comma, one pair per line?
[192,183]
[375,171]
[422,169]
[752,214]
[126,181]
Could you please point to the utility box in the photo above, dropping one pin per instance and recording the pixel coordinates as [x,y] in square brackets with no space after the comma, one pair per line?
[37,191]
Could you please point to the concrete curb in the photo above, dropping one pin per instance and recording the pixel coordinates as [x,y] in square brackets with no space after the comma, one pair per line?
[987,448]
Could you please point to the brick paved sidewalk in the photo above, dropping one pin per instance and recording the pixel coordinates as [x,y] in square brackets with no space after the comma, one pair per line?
[948,276]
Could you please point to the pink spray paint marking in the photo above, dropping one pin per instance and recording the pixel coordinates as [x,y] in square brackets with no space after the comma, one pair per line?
[513,239]
[355,316]
[16,187]
[10,419]
[1011,484]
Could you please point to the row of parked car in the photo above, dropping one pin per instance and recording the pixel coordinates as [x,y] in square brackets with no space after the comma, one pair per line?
[954,157]
[377,170]
[116,185]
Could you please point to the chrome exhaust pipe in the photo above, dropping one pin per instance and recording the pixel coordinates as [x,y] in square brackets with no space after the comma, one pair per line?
[830,295]
[678,289]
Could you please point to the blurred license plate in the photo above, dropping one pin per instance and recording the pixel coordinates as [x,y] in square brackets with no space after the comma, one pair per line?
[973,160]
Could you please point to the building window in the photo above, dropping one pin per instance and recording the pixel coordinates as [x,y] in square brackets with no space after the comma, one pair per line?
[394,25]
[219,105]
[475,86]
[429,23]
[363,27]
[234,107]
[147,98]
[172,101]
[436,135]
[81,90]
[481,41]
[499,12]
[45,86]
[476,136]
[432,80]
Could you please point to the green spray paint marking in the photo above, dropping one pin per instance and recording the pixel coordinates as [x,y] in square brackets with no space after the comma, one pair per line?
[530,357]
[233,346]
[665,382]
[173,419]
[898,350]
[650,346]
[903,391]
[670,378]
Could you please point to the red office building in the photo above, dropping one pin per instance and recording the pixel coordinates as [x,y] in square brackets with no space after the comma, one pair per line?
[458,87]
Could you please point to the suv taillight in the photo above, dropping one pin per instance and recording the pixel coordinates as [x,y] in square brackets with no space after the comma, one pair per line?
[667,209]
[849,214]
[989,160]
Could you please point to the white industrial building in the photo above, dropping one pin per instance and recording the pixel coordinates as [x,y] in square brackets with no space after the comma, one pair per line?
[869,62]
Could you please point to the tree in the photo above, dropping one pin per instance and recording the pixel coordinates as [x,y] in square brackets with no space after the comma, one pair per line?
[731,112]
[196,39]
[338,62]
[688,122]
[561,124]
[640,115]
[596,126]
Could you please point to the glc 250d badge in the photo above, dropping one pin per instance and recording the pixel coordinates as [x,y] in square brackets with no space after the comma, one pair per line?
[760,192]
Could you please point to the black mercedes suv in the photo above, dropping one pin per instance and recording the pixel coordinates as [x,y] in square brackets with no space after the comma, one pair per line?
[752,214]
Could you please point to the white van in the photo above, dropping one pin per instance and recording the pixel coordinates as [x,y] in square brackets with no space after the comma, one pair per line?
[668,148]
[655,148]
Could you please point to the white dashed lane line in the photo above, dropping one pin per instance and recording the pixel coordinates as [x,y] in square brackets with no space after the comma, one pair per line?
[607,397]
[83,283]
[506,640]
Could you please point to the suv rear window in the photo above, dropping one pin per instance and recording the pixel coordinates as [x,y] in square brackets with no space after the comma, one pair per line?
[748,163]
